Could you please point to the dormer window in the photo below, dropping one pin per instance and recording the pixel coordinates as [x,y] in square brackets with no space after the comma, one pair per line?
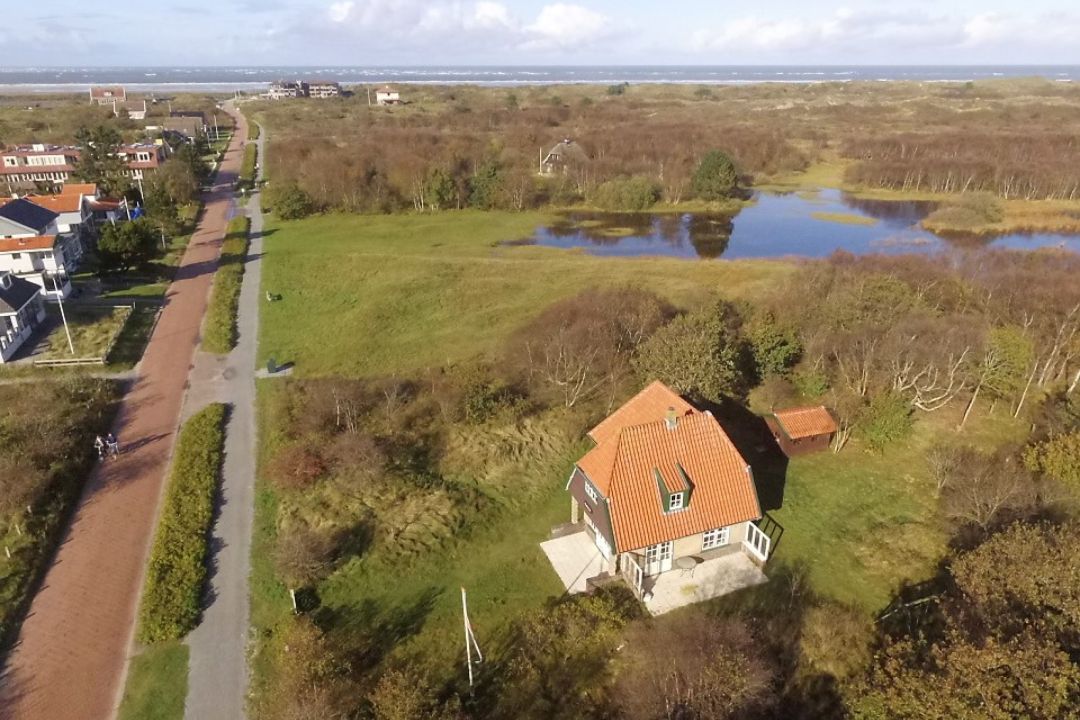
[676,498]
[676,502]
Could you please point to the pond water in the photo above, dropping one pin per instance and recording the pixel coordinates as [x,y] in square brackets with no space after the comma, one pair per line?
[776,225]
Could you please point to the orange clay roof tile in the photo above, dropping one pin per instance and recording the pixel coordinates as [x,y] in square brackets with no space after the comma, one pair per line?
[805,422]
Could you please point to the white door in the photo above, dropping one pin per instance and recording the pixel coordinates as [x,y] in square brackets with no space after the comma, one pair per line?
[601,542]
[658,558]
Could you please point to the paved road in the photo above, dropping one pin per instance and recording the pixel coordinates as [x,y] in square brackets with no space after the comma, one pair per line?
[218,676]
[71,654]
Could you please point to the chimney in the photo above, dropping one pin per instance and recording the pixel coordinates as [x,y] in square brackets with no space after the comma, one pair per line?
[671,420]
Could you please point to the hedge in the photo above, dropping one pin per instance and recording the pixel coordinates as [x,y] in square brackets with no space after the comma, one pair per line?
[172,598]
[247,167]
[219,331]
[253,130]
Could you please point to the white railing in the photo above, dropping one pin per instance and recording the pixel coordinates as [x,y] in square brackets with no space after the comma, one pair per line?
[757,542]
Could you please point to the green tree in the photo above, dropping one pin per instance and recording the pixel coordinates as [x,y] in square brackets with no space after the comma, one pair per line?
[99,161]
[485,186]
[775,345]
[700,354]
[290,201]
[716,177]
[885,420]
[1058,457]
[441,191]
[1012,352]
[630,194]
[124,245]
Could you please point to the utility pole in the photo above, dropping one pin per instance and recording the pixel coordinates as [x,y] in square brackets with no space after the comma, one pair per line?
[63,316]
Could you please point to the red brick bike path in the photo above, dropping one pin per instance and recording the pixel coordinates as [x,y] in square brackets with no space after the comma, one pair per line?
[69,660]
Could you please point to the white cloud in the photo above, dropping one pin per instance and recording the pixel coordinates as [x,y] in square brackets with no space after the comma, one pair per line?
[484,23]
[561,25]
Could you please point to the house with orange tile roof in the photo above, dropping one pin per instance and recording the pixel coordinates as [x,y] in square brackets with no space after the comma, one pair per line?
[802,430]
[667,503]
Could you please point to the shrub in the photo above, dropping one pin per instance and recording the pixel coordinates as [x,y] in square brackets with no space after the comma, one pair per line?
[626,194]
[968,211]
[775,345]
[297,466]
[247,167]
[810,382]
[289,201]
[219,332]
[252,130]
[886,420]
[716,177]
[177,571]
[619,89]
[304,556]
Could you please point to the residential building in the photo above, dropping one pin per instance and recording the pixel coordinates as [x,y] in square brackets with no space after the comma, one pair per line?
[562,157]
[323,89]
[190,126]
[32,248]
[802,430]
[135,109]
[21,311]
[107,95]
[287,89]
[25,165]
[665,502]
[75,219]
[387,95]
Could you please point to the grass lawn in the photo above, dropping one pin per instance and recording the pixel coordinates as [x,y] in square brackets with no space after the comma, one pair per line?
[369,295]
[156,686]
[863,523]
[92,331]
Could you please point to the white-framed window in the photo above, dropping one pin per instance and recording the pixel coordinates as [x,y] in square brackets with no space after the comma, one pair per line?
[676,501]
[11,161]
[591,492]
[717,537]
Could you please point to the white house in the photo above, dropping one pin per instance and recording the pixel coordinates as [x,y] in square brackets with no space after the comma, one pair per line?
[21,311]
[387,95]
[31,247]
[136,109]
[74,218]
[107,95]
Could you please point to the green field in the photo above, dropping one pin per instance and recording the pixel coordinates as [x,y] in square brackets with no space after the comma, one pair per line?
[156,686]
[370,295]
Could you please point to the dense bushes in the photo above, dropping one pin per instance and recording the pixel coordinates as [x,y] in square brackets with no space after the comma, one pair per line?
[47,430]
[219,330]
[968,211]
[288,201]
[246,178]
[716,177]
[175,577]
[626,193]
[252,130]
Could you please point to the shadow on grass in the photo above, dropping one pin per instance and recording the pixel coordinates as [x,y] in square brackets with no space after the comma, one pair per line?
[754,441]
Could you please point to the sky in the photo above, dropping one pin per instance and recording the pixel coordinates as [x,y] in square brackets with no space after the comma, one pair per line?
[544,32]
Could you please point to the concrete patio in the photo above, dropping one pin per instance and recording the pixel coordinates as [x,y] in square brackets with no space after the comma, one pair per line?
[575,559]
[712,578]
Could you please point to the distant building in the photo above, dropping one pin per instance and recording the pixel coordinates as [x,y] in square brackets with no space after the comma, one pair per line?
[107,95]
[287,89]
[562,157]
[387,95]
[189,127]
[324,89]
[24,165]
[135,109]
[21,312]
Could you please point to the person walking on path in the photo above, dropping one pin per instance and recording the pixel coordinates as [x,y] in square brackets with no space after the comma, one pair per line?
[99,445]
[113,443]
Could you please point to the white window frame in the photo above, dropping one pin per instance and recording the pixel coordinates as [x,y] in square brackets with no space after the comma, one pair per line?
[676,501]
[591,492]
[717,537]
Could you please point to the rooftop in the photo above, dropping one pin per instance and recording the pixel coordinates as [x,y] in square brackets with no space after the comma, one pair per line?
[25,213]
[26,244]
[63,203]
[803,422]
[15,293]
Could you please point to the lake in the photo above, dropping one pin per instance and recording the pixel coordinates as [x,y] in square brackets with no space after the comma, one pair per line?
[813,224]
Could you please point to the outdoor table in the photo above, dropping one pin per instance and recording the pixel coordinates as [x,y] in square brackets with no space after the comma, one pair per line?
[686,563]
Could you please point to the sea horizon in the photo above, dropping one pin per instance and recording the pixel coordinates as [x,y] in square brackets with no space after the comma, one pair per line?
[41,79]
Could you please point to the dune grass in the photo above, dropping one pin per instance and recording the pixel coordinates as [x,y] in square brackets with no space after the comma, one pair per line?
[843,218]
[93,330]
[219,325]
[156,687]
[369,295]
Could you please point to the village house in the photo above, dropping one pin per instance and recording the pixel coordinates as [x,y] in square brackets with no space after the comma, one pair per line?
[25,165]
[75,218]
[664,502]
[21,311]
[32,248]
[802,430]
[107,95]
[281,89]
[323,89]
[134,109]
[190,126]
[387,95]
[562,157]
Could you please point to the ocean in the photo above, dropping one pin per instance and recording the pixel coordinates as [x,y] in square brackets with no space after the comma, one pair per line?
[227,79]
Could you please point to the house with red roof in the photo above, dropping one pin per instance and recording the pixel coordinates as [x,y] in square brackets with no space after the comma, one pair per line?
[32,249]
[802,430]
[665,502]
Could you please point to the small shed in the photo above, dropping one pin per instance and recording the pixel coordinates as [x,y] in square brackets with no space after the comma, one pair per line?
[802,430]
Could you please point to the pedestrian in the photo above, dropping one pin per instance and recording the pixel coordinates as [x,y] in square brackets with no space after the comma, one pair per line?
[99,445]
[113,443]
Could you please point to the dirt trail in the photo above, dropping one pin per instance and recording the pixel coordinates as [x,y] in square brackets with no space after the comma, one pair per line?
[71,653]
